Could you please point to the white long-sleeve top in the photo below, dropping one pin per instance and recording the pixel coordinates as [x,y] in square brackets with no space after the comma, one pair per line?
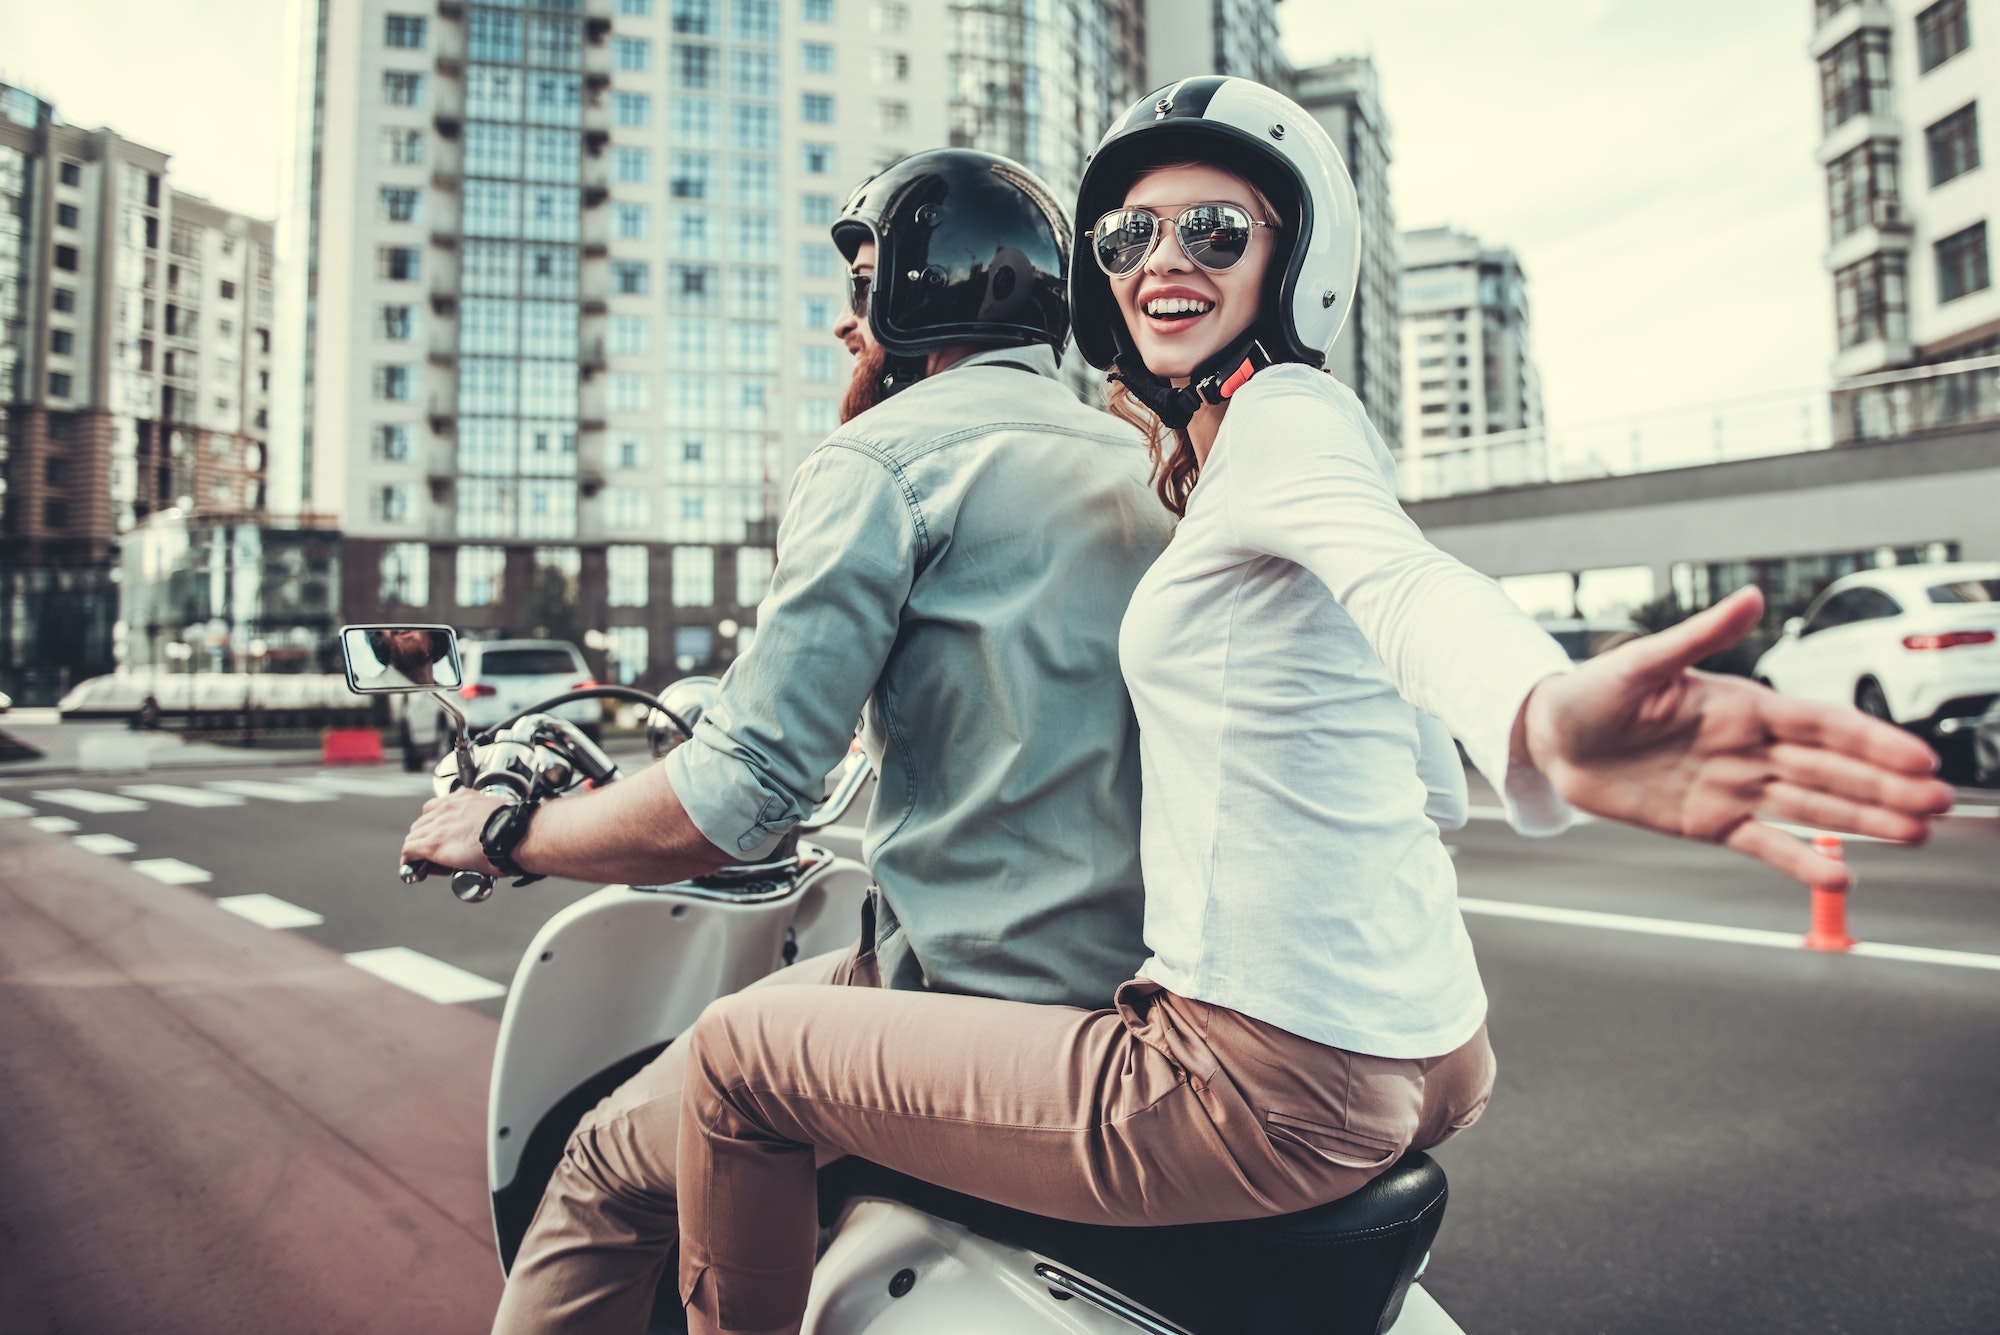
[1282,655]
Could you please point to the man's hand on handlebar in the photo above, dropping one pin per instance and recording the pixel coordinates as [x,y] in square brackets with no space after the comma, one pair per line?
[447,833]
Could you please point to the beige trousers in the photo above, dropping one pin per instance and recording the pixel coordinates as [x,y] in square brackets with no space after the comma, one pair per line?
[1159,1110]
[607,1229]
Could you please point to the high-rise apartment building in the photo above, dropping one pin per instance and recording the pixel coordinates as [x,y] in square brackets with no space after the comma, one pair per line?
[136,327]
[1346,97]
[1467,371]
[1188,38]
[563,290]
[1903,85]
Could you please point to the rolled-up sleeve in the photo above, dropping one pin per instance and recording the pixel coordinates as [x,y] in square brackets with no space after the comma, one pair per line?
[1317,491]
[848,551]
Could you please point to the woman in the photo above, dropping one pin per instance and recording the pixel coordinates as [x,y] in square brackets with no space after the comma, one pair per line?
[1286,1041]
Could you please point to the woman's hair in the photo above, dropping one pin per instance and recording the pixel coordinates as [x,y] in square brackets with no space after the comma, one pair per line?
[1175,470]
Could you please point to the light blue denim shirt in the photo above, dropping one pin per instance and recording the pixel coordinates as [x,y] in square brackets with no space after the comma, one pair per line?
[952,568]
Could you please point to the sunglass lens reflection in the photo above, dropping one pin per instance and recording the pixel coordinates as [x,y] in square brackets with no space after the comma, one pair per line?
[1123,240]
[858,300]
[1214,238]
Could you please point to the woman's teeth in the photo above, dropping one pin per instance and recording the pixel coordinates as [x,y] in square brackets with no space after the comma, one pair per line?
[1177,308]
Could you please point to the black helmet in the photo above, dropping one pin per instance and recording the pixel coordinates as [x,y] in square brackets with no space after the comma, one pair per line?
[970,247]
[1274,144]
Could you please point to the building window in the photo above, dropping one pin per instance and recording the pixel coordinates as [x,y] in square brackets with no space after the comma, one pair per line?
[816,11]
[753,129]
[494,37]
[66,215]
[694,17]
[694,120]
[405,31]
[630,392]
[817,57]
[394,384]
[397,324]
[399,204]
[391,443]
[400,88]
[818,159]
[1854,78]
[818,365]
[1961,263]
[753,73]
[694,577]
[690,179]
[403,148]
[630,278]
[59,384]
[71,174]
[1861,189]
[627,647]
[631,165]
[625,576]
[61,341]
[627,508]
[227,291]
[481,575]
[816,108]
[890,16]
[637,9]
[1870,302]
[634,109]
[66,258]
[694,66]
[753,574]
[1953,144]
[893,117]
[693,645]
[631,221]
[1942,32]
[816,312]
[397,264]
[62,299]
[755,20]
[55,471]
[631,335]
[390,503]
[816,210]
[55,514]
[691,451]
[628,450]
[892,66]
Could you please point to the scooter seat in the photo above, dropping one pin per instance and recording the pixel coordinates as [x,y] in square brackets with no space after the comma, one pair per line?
[1337,1269]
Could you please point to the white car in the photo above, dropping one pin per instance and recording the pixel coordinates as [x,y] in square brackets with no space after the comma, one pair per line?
[502,678]
[1912,644]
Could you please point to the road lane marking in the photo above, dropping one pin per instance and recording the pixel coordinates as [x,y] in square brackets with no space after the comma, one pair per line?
[269,911]
[172,870]
[178,796]
[1969,809]
[1704,931]
[9,810]
[377,785]
[275,792]
[85,800]
[444,983]
[108,844]
[54,824]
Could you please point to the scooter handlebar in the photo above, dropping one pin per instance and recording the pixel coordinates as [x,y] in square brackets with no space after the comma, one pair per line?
[473,887]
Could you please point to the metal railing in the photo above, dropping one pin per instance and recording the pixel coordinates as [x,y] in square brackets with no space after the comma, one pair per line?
[1886,406]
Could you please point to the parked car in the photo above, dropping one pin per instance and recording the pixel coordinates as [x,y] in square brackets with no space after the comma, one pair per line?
[1916,645]
[502,677]
[1583,638]
[6,702]
[1985,731]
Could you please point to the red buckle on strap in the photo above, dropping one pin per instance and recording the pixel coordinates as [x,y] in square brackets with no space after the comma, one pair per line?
[1240,379]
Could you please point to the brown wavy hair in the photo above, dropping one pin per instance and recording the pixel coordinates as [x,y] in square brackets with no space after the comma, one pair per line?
[1175,470]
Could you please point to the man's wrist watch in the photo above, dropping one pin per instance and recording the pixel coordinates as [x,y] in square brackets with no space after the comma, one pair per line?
[502,834]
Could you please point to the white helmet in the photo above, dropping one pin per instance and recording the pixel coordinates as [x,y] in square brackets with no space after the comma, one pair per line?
[1274,144]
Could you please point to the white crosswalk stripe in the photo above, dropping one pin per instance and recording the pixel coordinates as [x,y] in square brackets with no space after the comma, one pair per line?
[83,799]
[444,983]
[9,810]
[175,795]
[172,870]
[275,792]
[372,785]
[54,824]
[108,844]
[269,911]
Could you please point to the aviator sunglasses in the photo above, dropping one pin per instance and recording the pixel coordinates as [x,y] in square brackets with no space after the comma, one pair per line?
[1214,236]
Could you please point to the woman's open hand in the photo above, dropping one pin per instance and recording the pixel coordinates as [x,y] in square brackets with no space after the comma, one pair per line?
[1638,735]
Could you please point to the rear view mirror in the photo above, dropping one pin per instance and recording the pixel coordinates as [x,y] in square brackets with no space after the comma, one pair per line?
[389,660]
[1793,626]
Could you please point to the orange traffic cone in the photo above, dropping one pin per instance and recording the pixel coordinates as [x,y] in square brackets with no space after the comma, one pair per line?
[1829,906]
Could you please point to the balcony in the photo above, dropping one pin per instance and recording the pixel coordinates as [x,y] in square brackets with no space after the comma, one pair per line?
[448,127]
[594,196]
[595,29]
[441,488]
[444,303]
[595,141]
[446,181]
[451,9]
[443,419]
[445,240]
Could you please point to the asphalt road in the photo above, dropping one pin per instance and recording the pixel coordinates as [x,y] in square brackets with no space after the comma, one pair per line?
[1689,1134]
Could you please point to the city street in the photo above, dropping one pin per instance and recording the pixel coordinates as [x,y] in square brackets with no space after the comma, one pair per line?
[1708,1131]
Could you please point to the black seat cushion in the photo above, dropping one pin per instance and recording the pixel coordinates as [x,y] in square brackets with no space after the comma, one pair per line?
[1338,1269]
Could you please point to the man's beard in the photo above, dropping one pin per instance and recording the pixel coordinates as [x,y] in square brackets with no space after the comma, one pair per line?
[865,390]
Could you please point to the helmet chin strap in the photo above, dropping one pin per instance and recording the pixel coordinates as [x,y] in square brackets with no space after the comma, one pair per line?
[1212,382]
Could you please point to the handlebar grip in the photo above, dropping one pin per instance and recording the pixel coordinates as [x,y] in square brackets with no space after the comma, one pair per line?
[412,872]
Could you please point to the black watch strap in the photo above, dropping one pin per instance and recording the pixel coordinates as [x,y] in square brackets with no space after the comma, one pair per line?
[503,833]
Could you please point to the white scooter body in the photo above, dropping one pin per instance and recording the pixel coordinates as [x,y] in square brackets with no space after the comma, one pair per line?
[626,970]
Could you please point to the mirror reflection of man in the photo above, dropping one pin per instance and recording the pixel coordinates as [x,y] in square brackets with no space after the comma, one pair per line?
[410,653]
[953,567]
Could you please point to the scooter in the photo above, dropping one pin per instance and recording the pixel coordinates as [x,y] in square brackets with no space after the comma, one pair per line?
[610,980]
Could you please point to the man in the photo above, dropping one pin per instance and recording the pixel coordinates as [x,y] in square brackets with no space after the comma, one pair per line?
[952,568]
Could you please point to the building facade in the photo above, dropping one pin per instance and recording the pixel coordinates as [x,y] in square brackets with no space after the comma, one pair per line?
[1910,216]
[1468,372]
[561,289]
[136,328]
[1187,38]
[1345,96]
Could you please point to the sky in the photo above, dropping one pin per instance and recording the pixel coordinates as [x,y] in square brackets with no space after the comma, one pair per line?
[1650,163]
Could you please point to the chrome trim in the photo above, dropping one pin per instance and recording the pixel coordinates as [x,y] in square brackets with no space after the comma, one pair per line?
[1105,1300]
